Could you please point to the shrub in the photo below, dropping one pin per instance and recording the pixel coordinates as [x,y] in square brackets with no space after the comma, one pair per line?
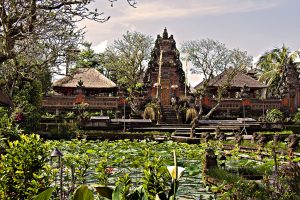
[296,118]
[23,169]
[274,115]
[191,113]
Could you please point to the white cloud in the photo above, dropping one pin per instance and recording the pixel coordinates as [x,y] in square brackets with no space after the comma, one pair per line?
[99,48]
[168,9]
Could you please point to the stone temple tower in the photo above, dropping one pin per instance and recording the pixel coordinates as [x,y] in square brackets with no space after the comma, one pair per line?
[165,77]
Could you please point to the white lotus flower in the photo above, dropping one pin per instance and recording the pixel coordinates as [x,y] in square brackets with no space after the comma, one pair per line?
[172,171]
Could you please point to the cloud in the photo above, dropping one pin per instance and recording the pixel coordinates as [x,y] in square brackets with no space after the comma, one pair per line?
[168,9]
[100,47]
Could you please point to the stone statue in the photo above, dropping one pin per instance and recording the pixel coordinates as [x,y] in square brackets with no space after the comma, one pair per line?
[276,139]
[262,140]
[293,143]
[254,137]
[238,138]
[210,160]
[222,136]
[208,137]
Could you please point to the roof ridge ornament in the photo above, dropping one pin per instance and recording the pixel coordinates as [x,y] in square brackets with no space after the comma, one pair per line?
[165,34]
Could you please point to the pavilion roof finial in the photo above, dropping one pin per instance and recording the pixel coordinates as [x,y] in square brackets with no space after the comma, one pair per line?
[165,34]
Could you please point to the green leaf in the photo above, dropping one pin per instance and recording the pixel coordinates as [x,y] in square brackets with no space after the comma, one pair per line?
[138,193]
[90,151]
[45,195]
[83,193]
[117,195]
[105,191]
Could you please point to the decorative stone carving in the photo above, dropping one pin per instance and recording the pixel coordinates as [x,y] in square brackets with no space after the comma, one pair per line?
[254,137]
[293,142]
[210,160]
[208,137]
[238,138]
[262,140]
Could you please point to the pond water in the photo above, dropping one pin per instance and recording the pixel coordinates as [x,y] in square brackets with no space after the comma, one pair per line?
[129,157]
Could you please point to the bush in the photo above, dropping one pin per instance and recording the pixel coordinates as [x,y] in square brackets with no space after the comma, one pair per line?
[274,116]
[296,118]
[23,169]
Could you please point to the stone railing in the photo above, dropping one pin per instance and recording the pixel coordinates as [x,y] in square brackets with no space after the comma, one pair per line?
[254,104]
[68,102]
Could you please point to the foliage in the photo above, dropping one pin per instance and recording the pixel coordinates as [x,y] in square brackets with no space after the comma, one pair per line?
[149,113]
[36,38]
[103,170]
[191,114]
[87,58]
[125,62]
[28,99]
[296,118]
[8,130]
[274,116]
[48,116]
[210,58]
[24,170]
[273,65]
[289,181]
[152,110]
[83,193]
[45,195]
[155,175]
[125,59]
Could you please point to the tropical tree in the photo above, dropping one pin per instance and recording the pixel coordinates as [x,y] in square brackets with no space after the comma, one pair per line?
[209,58]
[35,40]
[273,65]
[88,58]
[125,61]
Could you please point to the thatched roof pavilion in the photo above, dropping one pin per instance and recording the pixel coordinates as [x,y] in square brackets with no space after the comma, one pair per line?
[93,82]
[237,82]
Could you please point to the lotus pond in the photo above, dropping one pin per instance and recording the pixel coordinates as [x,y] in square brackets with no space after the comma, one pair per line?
[105,162]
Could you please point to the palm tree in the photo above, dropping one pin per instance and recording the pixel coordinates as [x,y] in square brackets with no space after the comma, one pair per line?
[273,65]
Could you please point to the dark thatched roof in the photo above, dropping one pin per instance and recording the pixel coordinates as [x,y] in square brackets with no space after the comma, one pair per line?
[238,81]
[4,99]
[90,77]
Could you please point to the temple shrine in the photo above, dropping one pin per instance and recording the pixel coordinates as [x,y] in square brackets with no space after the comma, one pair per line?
[165,77]
[84,85]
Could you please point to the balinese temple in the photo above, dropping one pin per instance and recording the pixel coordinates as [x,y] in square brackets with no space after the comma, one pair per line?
[165,77]
[84,85]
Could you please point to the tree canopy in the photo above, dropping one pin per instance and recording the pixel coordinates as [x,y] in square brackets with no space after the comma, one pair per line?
[35,39]
[272,66]
[211,57]
[126,59]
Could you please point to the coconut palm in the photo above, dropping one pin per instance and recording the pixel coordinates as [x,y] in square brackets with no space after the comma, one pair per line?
[272,66]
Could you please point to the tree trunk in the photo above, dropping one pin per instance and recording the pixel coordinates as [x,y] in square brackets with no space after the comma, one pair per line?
[200,106]
[212,110]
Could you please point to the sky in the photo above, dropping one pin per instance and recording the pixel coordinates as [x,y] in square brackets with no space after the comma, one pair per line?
[255,26]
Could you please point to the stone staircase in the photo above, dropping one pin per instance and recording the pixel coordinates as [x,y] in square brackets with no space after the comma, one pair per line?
[169,115]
